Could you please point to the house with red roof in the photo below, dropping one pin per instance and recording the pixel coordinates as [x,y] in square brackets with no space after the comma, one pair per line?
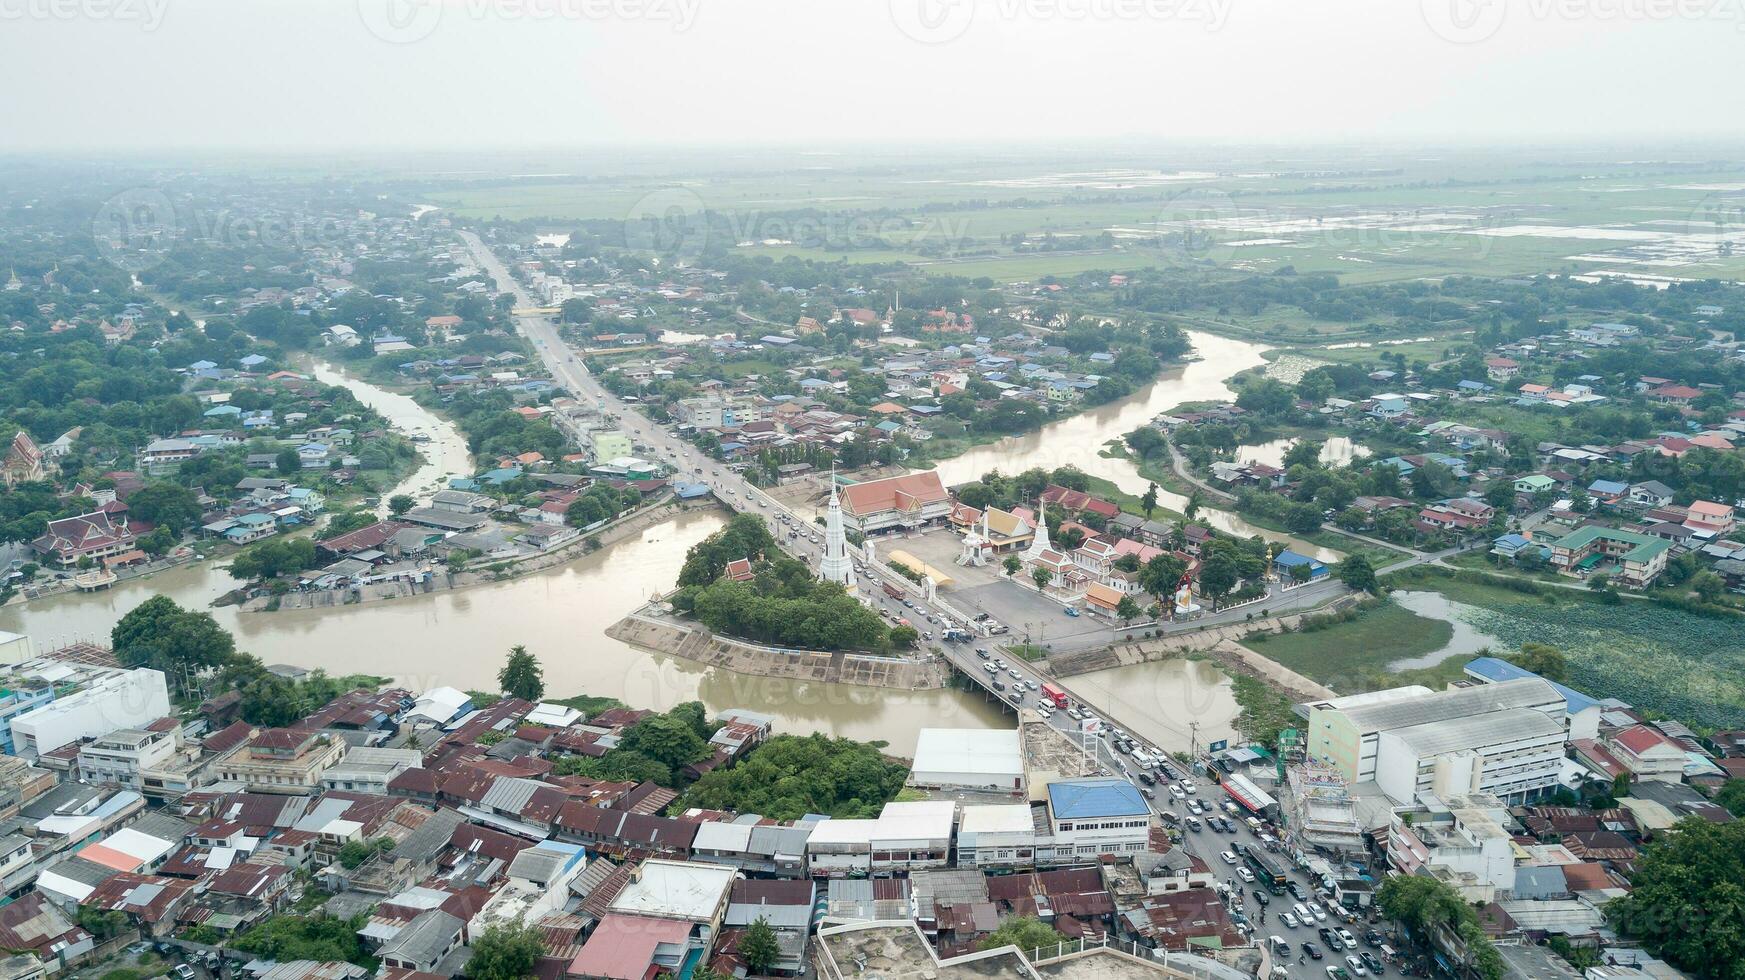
[1647,754]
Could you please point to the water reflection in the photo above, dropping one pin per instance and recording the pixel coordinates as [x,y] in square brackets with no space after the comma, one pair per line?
[1170,703]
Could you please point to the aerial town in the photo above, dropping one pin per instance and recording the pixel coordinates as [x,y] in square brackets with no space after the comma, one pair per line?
[966,490]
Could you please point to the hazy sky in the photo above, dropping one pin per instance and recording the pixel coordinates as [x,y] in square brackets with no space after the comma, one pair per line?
[458,74]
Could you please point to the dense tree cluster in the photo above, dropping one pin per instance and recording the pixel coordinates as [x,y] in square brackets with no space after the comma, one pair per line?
[790,776]
[1688,898]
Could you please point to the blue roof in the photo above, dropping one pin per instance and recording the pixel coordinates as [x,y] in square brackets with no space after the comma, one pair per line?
[1496,671]
[688,491]
[1511,541]
[1290,559]
[1608,486]
[1076,799]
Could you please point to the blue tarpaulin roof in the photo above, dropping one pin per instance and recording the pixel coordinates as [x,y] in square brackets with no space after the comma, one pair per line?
[1496,671]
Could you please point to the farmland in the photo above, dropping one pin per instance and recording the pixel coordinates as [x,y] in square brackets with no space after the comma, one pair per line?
[1022,219]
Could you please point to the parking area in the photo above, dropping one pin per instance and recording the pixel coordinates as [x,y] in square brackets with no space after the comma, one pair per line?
[1012,601]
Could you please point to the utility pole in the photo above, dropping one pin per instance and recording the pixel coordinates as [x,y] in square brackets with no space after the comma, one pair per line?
[1193,740]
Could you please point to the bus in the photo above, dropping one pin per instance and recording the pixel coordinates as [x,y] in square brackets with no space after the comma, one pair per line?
[1054,695]
[1268,869]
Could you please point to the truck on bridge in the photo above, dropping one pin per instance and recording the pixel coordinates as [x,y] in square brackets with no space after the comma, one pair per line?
[1054,695]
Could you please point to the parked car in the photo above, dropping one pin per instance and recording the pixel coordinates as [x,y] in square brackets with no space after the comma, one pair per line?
[1312,951]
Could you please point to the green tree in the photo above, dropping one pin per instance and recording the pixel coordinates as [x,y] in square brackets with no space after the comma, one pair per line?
[1218,576]
[273,558]
[288,462]
[1543,659]
[1127,610]
[1148,503]
[167,505]
[1732,796]
[1357,573]
[1041,577]
[1688,898]
[670,741]
[1427,906]
[1193,505]
[158,633]
[1025,932]
[522,676]
[758,946]
[399,504]
[506,952]
[789,776]
[1012,564]
[1708,585]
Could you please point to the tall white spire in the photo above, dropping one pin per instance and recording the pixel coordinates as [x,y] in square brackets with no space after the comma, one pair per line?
[1039,543]
[835,566]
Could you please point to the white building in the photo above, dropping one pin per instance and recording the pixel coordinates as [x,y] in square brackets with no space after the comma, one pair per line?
[978,759]
[1345,733]
[1469,850]
[122,756]
[1513,754]
[1092,817]
[112,700]
[1001,835]
[15,648]
[367,769]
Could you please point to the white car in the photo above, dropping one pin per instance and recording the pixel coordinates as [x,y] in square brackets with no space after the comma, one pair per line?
[1175,790]
[1229,857]
[1246,875]
[1355,965]
[1290,920]
[1346,937]
[1318,912]
[1189,787]
[1302,912]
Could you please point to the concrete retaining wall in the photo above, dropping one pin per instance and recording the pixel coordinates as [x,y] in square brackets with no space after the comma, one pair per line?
[692,642]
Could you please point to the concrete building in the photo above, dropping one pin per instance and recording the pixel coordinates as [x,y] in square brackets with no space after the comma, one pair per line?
[968,759]
[1465,846]
[111,699]
[283,760]
[366,769]
[1001,835]
[1345,733]
[1092,817]
[1514,754]
[125,755]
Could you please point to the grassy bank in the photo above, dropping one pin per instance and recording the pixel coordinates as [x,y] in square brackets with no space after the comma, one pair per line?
[1350,651]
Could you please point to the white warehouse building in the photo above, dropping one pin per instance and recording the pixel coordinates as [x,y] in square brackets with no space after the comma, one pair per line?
[970,759]
[114,700]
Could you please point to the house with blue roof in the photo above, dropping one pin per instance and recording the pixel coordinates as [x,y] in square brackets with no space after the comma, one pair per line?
[1511,546]
[1287,561]
[500,476]
[252,361]
[220,411]
[1088,817]
[466,483]
[251,527]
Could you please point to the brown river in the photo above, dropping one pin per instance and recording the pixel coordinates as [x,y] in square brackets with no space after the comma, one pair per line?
[460,638]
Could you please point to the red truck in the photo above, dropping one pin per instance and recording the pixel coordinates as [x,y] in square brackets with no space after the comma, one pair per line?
[893,591]
[1055,695]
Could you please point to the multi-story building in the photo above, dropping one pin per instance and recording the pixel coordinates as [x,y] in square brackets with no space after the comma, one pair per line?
[1465,846]
[1514,754]
[1345,733]
[1092,817]
[1634,559]
[283,760]
[111,699]
[367,769]
[122,756]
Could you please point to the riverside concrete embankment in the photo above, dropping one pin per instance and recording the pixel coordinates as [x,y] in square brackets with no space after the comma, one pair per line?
[648,630]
